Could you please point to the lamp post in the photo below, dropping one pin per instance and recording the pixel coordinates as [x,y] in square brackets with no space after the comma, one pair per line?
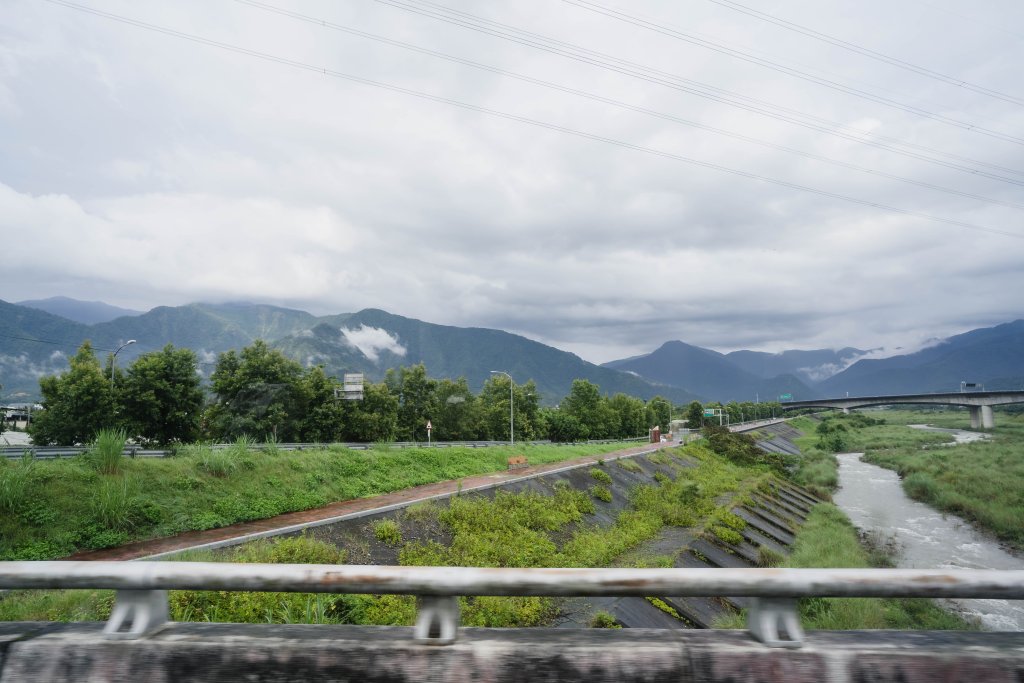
[511,411]
[114,359]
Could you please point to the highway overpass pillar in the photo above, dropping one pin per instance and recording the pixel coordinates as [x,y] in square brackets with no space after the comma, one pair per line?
[987,419]
[975,417]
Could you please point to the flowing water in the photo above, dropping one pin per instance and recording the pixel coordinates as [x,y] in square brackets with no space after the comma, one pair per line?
[926,539]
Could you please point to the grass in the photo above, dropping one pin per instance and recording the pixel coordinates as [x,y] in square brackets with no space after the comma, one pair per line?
[51,509]
[829,540]
[107,451]
[981,481]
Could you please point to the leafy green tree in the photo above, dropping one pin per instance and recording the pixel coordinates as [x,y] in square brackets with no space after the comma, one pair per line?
[694,415]
[416,400]
[494,409]
[78,403]
[631,416]
[563,427]
[257,394]
[375,418]
[660,413]
[161,396]
[323,416]
[457,412]
[586,404]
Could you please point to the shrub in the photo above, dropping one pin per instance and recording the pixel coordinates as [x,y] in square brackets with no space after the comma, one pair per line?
[601,493]
[387,532]
[107,451]
[604,620]
[601,476]
[628,465]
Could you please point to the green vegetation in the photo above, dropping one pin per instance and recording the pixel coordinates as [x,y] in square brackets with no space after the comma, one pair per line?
[387,532]
[601,492]
[107,451]
[601,476]
[604,620]
[981,481]
[828,540]
[58,507]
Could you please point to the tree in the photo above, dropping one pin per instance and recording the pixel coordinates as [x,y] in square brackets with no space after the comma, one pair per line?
[77,403]
[375,418]
[416,400]
[457,413]
[631,414]
[322,416]
[694,415]
[563,427]
[586,404]
[661,413]
[257,394]
[161,396]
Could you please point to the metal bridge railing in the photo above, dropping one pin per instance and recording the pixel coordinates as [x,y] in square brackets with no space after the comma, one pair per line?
[141,606]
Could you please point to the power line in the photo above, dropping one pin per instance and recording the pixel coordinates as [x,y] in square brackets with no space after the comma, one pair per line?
[796,73]
[617,103]
[867,52]
[522,119]
[66,345]
[675,82]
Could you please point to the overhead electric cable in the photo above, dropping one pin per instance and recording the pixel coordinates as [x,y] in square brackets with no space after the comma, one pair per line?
[522,119]
[73,345]
[675,82]
[866,52]
[617,103]
[796,73]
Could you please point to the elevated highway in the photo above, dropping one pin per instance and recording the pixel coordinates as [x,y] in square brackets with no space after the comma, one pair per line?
[980,403]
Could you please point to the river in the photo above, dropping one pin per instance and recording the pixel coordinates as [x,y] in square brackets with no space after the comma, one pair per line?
[927,539]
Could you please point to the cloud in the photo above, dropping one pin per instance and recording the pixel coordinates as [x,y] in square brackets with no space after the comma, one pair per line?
[142,170]
[372,340]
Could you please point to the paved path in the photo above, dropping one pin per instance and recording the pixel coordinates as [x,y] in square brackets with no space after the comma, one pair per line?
[293,521]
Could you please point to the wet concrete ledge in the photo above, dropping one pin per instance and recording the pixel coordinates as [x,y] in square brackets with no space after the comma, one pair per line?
[244,652]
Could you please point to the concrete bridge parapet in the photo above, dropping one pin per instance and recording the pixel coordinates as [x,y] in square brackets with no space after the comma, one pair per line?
[189,653]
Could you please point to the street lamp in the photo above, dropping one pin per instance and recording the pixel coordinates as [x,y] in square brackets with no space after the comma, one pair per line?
[511,412]
[114,359]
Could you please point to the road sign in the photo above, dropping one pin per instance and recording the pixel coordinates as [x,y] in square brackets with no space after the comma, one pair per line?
[709,412]
[429,426]
[785,397]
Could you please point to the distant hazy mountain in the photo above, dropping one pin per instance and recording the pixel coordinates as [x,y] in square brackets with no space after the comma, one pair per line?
[370,341]
[710,374]
[993,356]
[86,312]
[810,366]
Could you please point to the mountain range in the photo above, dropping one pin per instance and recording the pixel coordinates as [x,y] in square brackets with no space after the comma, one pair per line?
[35,341]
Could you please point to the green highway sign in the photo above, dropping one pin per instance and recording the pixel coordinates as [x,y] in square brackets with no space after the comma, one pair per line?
[709,413]
[786,397]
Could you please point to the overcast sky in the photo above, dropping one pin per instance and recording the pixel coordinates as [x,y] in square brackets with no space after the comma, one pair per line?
[145,169]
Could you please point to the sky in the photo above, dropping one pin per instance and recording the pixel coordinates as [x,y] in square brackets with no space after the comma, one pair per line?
[606,177]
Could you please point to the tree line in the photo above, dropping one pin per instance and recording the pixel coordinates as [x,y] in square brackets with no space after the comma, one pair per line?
[259,393]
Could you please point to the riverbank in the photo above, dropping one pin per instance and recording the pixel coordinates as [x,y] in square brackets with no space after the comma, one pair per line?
[981,481]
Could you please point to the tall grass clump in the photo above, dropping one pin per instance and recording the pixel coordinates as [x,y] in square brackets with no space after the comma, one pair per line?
[114,504]
[107,451]
[14,482]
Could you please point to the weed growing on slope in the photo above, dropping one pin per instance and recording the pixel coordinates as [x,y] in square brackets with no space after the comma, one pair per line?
[107,451]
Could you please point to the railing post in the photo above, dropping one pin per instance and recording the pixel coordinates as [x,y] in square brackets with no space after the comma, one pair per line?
[142,612]
[767,618]
[437,622]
